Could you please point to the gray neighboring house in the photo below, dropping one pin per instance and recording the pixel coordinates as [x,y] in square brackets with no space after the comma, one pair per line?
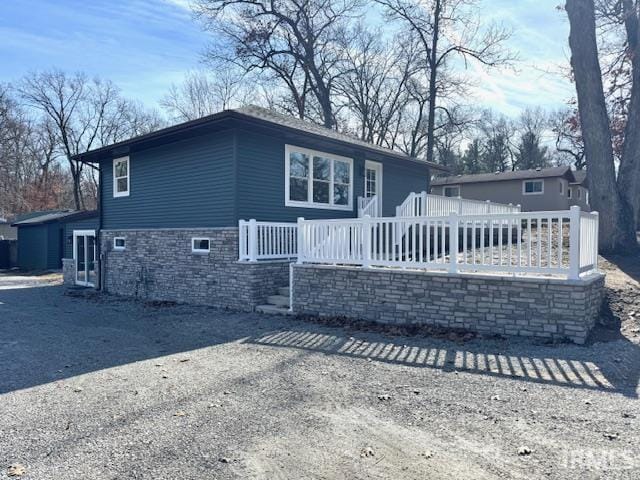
[545,189]
[578,192]
[170,202]
[7,232]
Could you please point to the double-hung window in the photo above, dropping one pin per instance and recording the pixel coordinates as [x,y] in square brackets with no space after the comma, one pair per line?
[452,191]
[121,177]
[317,179]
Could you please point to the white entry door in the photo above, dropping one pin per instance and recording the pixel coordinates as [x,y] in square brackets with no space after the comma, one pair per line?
[84,254]
[373,182]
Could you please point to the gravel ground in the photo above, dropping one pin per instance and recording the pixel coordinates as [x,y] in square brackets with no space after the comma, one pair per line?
[96,387]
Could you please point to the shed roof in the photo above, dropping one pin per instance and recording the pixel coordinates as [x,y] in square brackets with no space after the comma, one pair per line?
[502,176]
[63,215]
[254,115]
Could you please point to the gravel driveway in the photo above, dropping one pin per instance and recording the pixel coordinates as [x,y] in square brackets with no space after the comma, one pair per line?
[96,387]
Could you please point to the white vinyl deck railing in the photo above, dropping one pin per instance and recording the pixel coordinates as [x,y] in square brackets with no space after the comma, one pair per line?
[427,205]
[267,240]
[368,206]
[549,243]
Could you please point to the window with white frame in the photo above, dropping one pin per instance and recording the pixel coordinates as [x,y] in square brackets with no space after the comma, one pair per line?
[119,243]
[453,191]
[586,197]
[121,177]
[561,187]
[533,187]
[200,245]
[317,179]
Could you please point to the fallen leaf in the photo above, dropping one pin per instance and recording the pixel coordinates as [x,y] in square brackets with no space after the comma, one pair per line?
[384,397]
[224,460]
[610,436]
[179,413]
[427,454]
[367,452]
[524,451]
[77,389]
[183,360]
[16,470]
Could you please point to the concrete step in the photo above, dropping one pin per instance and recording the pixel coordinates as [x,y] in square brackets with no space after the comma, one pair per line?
[273,310]
[278,300]
[283,291]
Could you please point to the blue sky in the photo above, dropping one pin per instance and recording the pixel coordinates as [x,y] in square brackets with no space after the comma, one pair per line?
[144,46]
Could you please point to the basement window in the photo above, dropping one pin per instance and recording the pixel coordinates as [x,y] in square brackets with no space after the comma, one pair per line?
[119,243]
[200,245]
[452,191]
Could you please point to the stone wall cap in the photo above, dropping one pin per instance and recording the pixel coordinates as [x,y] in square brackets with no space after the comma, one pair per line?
[584,280]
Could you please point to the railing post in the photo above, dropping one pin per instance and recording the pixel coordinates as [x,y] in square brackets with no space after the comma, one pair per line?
[300,240]
[518,208]
[366,240]
[453,242]
[574,242]
[252,236]
[242,240]
[595,240]
[459,205]
[510,207]
[488,206]
[423,204]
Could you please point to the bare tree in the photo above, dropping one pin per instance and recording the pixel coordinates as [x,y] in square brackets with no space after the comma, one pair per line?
[446,29]
[617,222]
[202,93]
[84,113]
[569,143]
[296,42]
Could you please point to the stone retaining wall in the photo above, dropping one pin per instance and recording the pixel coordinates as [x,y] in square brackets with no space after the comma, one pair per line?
[532,307]
[159,265]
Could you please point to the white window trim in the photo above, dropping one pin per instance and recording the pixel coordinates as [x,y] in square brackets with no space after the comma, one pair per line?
[561,187]
[524,192]
[310,204]
[200,250]
[445,187]
[115,183]
[116,247]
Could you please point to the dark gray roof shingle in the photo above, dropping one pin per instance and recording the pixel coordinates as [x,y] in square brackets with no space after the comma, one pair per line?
[501,176]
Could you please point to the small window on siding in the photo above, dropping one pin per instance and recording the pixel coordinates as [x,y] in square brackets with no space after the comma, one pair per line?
[533,187]
[121,177]
[579,193]
[119,243]
[561,187]
[569,192]
[200,245]
[452,191]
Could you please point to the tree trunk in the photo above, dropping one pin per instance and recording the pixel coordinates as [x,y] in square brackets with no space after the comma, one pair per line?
[433,83]
[616,217]
[629,171]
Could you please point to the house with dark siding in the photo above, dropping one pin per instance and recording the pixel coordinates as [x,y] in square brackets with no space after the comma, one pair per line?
[44,238]
[171,201]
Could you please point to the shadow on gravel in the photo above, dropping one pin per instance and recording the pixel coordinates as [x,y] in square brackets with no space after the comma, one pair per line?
[574,367]
[47,335]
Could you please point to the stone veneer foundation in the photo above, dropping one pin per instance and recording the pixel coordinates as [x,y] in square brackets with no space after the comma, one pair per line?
[533,307]
[159,265]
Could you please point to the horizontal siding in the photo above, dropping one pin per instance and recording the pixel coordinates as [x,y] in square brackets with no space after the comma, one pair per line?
[87,224]
[55,245]
[189,183]
[32,247]
[261,181]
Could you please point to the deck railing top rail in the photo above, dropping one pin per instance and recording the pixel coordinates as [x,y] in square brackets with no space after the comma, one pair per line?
[561,243]
[424,204]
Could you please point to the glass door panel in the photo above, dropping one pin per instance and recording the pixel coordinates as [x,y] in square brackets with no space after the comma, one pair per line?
[81,260]
[91,259]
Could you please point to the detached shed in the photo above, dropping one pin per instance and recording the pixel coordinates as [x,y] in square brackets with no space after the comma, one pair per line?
[42,240]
